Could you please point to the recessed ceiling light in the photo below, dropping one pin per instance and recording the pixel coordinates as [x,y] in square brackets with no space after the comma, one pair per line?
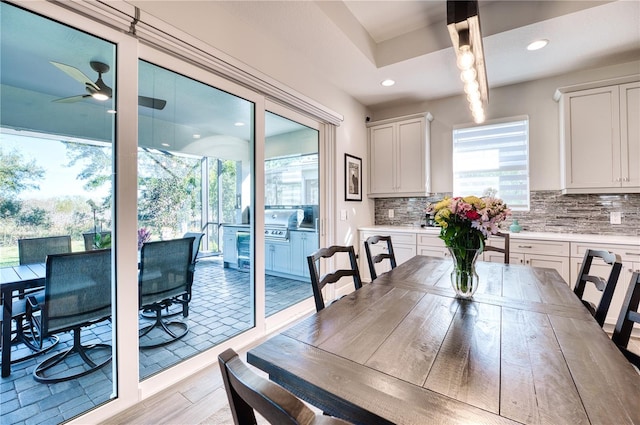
[196,136]
[388,83]
[111,111]
[239,124]
[537,45]
[165,144]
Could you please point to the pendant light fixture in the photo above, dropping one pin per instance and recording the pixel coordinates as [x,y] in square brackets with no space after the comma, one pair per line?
[463,23]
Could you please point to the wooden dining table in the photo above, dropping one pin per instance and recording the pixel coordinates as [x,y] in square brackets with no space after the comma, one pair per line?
[13,279]
[405,350]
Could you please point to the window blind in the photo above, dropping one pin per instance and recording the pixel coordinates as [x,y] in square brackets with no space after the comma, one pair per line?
[493,160]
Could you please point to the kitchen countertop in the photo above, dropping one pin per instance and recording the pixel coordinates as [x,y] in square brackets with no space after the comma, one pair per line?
[547,236]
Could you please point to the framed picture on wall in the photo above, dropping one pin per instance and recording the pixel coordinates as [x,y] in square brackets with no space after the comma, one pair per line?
[352,178]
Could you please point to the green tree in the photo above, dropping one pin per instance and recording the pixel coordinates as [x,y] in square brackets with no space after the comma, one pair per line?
[16,174]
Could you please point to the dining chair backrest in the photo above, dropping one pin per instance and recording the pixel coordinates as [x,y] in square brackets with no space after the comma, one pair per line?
[35,250]
[505,250]
[372,260]
[197,237]
[165,270]
[629,315]
[248,392]
[318,283]
[90,240]
[605,285]
[77,290]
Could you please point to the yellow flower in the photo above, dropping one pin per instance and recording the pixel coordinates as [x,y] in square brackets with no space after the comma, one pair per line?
[475,201]
[442,204]
[442,216]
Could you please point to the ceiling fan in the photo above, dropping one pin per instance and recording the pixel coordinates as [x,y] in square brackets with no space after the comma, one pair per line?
[98,89]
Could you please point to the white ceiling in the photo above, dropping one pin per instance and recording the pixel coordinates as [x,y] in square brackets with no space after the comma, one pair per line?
[357,44]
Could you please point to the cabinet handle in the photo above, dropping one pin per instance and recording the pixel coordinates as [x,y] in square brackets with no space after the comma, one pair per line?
[527,262]
[525,246]
[631,253]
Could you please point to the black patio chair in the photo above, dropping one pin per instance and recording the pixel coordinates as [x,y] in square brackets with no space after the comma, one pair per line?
[165,275]
[77,295]
[33,251]
[182,300]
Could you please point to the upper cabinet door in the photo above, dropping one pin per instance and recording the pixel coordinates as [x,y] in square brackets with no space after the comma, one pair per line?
[600,139]
[382,154]
[630,134]
[399,157]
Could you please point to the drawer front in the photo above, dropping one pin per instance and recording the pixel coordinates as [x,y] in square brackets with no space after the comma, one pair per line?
[626,252]
[396,238]
[430,240]
[528,246]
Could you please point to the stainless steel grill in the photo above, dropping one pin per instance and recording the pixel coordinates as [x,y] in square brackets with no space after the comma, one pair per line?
[278,222]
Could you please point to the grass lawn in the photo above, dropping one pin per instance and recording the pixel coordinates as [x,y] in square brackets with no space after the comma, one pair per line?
[9,255]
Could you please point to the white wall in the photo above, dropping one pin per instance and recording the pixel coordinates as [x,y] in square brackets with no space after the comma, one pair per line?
[534,99]
[231,35]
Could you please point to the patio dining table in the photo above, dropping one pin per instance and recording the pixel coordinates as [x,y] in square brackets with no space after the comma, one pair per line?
[405,350]
[13,279]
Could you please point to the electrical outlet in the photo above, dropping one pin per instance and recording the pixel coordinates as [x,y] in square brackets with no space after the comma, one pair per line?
[391,214]
[615,217]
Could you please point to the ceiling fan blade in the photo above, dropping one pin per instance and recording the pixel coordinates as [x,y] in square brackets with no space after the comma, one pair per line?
[71,99]
[151,102]
[76,74]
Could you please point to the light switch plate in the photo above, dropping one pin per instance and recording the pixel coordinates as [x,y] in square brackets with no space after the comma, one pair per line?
[615,217]
[391,214]
[343,215]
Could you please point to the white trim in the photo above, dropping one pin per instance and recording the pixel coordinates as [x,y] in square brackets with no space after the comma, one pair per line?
[594,85]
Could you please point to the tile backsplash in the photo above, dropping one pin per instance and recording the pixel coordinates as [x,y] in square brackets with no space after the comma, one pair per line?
[550,212]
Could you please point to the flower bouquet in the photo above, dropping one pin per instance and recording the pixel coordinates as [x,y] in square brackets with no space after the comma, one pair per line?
[465,224]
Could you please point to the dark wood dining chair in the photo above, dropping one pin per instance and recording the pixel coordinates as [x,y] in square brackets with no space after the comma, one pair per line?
[318,283]
[505,251]
[77,295]
[249,392]
[629,314]
[606,286]
[372,260]
[165,275]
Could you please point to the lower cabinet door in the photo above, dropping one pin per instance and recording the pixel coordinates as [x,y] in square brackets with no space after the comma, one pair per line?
[561,264]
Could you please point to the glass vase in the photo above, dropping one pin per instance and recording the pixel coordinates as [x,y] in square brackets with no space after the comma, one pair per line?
[464,278]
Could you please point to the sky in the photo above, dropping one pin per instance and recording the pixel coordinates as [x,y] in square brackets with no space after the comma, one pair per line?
[59,180]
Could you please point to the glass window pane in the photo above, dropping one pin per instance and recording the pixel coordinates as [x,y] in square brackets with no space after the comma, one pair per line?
[195,150]
[493,160]
[292,200]
[56,166]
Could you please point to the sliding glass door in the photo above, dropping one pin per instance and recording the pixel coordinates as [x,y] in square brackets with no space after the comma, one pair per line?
[195,176]
[57,144]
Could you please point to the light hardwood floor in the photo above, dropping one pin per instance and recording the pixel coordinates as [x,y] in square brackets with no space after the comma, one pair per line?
[197,398]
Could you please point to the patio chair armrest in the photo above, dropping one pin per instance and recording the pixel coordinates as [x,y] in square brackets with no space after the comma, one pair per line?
[32,306]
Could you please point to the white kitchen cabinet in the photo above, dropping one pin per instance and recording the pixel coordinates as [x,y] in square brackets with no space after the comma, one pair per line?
[229,253]
[535,253]
[630,256]
[432,246]
[399,156]
[600,139]
[277,256]
[404,248]
[303,244]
